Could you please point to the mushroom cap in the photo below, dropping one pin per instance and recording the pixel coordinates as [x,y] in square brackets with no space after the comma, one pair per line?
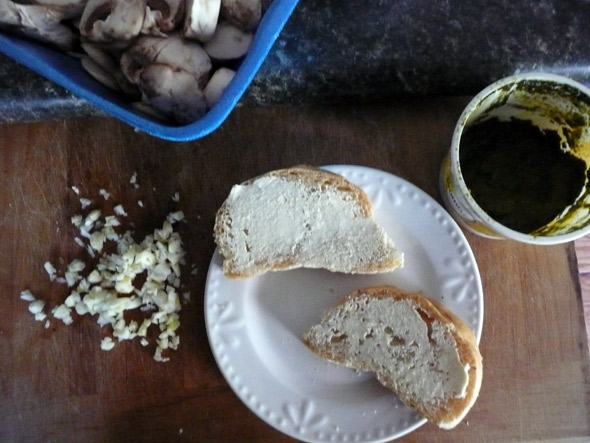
[244,13]
[173,92]
[173,51]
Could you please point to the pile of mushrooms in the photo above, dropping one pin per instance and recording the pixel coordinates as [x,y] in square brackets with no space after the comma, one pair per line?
[171,58]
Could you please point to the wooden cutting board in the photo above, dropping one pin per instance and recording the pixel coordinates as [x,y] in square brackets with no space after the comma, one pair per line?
[56,384]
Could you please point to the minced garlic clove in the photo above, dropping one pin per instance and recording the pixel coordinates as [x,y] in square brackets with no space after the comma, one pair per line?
[36,307]
[110,288]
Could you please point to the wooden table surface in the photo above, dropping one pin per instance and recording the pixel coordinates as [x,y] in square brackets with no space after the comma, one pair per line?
[56,384]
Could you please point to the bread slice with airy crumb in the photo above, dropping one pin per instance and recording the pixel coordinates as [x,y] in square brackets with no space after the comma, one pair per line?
[413,345]
[301,217]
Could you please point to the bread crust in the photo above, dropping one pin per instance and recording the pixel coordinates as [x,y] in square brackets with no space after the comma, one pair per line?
[312,177]
[452,411]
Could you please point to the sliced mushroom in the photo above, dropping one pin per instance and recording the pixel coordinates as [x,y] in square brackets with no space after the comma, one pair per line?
[162,16]
[173,92]
[228,43]
[112,20]
[39,22]
[9,15]
[100,74]
[148,109]
[108,63]
[245,13]
[140,54]
[201,19]
[69,8]
[173,51]
[217,84]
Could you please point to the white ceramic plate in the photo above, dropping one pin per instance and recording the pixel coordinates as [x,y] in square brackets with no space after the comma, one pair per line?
[254,325]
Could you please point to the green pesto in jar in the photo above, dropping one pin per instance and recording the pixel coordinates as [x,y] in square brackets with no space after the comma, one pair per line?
[518,174]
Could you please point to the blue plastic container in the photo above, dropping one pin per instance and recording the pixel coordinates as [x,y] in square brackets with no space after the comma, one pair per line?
[69,73]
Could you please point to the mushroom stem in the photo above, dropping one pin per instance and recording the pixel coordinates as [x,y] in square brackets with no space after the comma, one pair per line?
[201,19]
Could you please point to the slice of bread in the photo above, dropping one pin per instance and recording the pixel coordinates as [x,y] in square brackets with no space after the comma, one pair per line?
[301,217]
[413,345]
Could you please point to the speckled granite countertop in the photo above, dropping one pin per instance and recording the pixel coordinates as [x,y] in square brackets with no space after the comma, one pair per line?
[337,50]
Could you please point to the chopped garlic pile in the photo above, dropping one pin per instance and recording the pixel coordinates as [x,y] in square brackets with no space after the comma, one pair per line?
[109,290]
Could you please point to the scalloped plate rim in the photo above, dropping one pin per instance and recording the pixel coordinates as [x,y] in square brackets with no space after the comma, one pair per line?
[255,383]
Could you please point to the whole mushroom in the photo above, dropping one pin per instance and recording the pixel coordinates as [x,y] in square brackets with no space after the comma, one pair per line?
[173,51]
[164,67]
[173,92]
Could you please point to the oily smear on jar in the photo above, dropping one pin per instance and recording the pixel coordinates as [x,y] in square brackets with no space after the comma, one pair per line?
[518,174]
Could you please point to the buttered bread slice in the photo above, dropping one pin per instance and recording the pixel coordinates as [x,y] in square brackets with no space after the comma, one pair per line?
[413,345]
[301,217]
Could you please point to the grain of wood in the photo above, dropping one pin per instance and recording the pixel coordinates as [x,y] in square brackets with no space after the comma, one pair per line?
[583,253]
[582,246]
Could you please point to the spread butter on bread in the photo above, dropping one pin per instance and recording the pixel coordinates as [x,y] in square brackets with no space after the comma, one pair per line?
[301,217]
[413,345]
